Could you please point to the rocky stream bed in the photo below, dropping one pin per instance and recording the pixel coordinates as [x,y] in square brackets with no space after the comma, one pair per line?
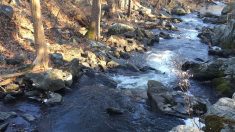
[141,96]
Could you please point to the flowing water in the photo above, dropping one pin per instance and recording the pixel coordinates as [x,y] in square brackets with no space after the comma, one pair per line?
[84,108]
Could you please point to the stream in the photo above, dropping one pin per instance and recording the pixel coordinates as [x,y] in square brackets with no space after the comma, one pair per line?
[83,109]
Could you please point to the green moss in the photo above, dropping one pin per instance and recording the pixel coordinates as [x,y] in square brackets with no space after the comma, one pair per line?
[222,86]
[213,123]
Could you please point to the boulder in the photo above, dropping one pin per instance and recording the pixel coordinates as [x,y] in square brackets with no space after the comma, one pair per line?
[51,80]
[178,11]
[227,39]
[184,128]
[220,115]
[206,71]
[57,59]
[75,68]
[173,102]
[119,28]
[53,99]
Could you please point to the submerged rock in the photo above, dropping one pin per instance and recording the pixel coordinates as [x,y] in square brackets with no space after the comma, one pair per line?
[173,102]
[29,117]
[6,115]
[51,80]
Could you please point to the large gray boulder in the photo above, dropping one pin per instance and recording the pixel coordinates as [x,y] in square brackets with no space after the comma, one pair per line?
[217,68]
[224,35]
[173,102]
[51,80]
[221,116]
[119,28]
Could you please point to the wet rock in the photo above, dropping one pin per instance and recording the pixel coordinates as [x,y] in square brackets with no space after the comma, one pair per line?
[131,67]
[147,68]
[119,28]
[165,35]
[51,80]
[173,102]
[75,68]
[28,117]
[6,115]
[57,59]
[15,61]
[9,99]
[3,127]
[7,10]
[153,41]
[32,93]
[190,65]
[178,11]
[218,52]
[207,71]
[114,111]
[53,99]
[125,55]
[223,35]
[99,78]
[184,128]
[215,20]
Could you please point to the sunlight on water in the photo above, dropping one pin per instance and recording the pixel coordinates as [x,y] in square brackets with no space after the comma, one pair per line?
[161,61]
[194,122]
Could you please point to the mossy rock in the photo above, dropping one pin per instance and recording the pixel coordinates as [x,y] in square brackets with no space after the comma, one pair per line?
[213,123]
[222,86]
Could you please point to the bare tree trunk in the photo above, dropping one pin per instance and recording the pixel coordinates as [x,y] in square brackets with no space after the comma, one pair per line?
[42,58]
[95,23]
[129,8]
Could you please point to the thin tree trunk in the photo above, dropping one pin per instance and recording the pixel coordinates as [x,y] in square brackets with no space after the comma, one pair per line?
[42,58]
[96,17]
[129,8]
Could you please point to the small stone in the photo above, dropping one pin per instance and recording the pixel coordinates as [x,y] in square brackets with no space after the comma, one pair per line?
[54,98]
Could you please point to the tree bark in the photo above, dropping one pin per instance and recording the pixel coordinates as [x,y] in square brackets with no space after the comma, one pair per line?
[129,8]
[96,17]
[42,58]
